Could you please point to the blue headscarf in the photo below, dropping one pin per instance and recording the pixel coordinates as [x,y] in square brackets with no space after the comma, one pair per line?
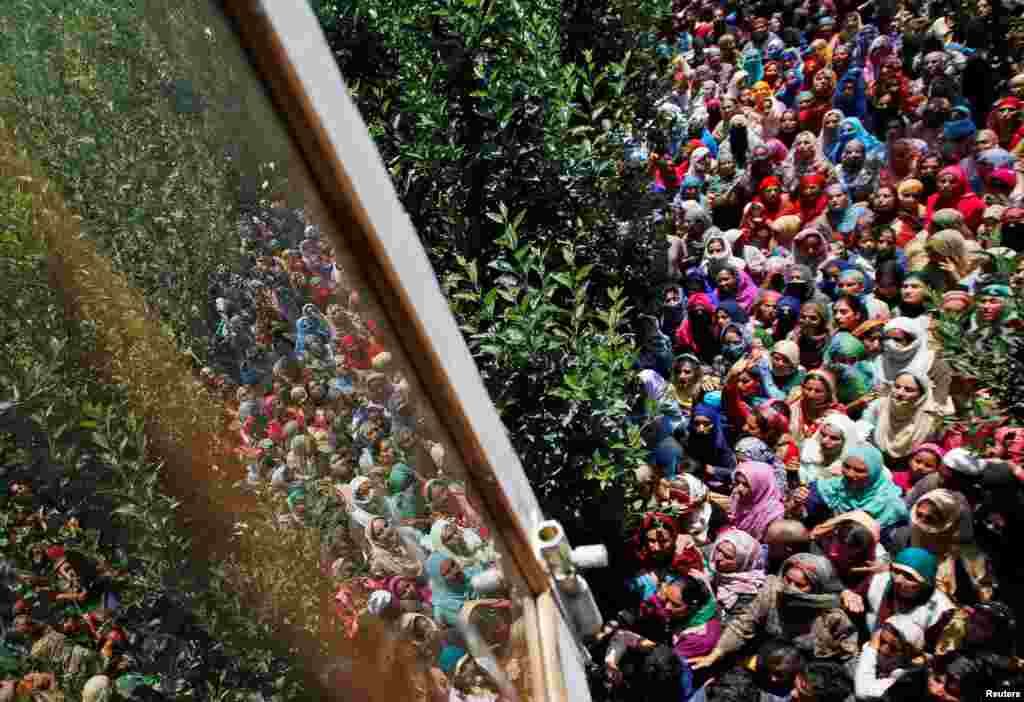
[850,129]
[961,126]
[787,312]
[735,312]
[712,449]
[857,105]
[753,65]
[921,561]
[446,598]
[881,498]
[830,287]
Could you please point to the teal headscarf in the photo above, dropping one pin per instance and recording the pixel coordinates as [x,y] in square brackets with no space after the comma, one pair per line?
[753,65]
[405,493]
[921,561]
[881,498]
[446,598]
[852,381]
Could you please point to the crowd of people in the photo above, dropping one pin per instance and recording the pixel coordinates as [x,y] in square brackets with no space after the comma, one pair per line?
[844,180]
[815,525]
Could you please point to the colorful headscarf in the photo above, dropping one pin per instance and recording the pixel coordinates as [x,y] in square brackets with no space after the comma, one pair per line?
[765,503]
[749,576]
[881,498]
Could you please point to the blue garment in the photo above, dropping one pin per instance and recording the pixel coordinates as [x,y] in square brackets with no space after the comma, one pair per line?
[852,128]
[711,449]
[708,139]
[857,105]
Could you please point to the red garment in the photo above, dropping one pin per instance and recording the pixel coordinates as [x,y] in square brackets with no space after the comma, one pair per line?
[964,200]
[668,175]
[811,210]
[684,334]
[812,118]
[782,206]
[995,122]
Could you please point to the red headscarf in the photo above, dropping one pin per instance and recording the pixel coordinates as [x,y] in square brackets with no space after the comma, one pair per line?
[963,199]
[810,211]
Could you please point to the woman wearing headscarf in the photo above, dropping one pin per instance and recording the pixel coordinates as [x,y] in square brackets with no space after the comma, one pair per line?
[697,334]
[775,202]
[753,449]
[912,211]
[718,250]
[822,455]
[947,260]
[687,497]
[787,316]
[937,523]
[811,200]
[687,382]
[846,359]
[737,571]
[903,419]
[905,348]
[812,334]
[460,543]
[842,215]
[700,165]
[870,334]
[732,283]
[851,129]
[810,248]
[706,443]
[852,544]
[780,370]
[908,588]
[1005,121]
[388,554]
[954,193]
[801,605]
[756,501]
[683,614]
[364,504]
[806,158]
[865,485]
[658,553]
[817,398]
[450,588]
[887,656]
[858,173]
[762,314]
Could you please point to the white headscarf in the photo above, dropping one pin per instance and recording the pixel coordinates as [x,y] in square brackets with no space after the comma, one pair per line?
[916,358]
[902,429]
[812,460]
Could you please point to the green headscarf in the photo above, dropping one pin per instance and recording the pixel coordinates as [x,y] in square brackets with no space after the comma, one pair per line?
[852,381]
[921,561]
[881,498]
[405,493]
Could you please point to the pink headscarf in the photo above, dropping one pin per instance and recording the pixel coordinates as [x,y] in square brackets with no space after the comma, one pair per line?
[765,503]
[748,578]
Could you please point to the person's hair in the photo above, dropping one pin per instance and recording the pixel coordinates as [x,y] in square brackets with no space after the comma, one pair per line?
[975,673]
[662,671]
[857,536]
[694,592]
[778,648]
[734,685]
[829,681]
[856,304]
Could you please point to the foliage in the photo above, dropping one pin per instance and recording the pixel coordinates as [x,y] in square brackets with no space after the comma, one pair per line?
[559,371]
[77,440]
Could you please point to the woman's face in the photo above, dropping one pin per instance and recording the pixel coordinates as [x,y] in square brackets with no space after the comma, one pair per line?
[726,167]
[832,119]
[928,514]
[703,425]
[990,308]
[907,587]
[930,166]
[742,488]
[850,286]
[726,282]
[811,247]
[805,148]
[872,343]
[810,320]
[885,200]
[748,384]
[905,389]
[383,533]
[790,121]
[771,194]
[685,373]
[804,102]
[831,439]
[890,645]
[837,200]
[722,318]
[923,463]
[659,540]
[672,596]
[728,109]
[771,73]
[822,84]
[855,474]
[853,154]
[943,688]
[716,248]
[946,184]
[781,366]
[908,200]
[452,572]
[747,97]
[984,141]
[846,318]
[797,579]
[766,311]
[725,558]
[913,292]
[816,392]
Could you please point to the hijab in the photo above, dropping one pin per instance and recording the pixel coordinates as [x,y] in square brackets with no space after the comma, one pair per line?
[813,463]
[447,598]
[701,339]
[711,449]
[855,380]
[915,357]
[764,505]
[943,536]
[391,560]
[749,576]
[881,498]
[903,426]
[822,576]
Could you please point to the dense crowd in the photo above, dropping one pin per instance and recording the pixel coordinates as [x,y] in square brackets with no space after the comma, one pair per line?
[815,525]
[846,192]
